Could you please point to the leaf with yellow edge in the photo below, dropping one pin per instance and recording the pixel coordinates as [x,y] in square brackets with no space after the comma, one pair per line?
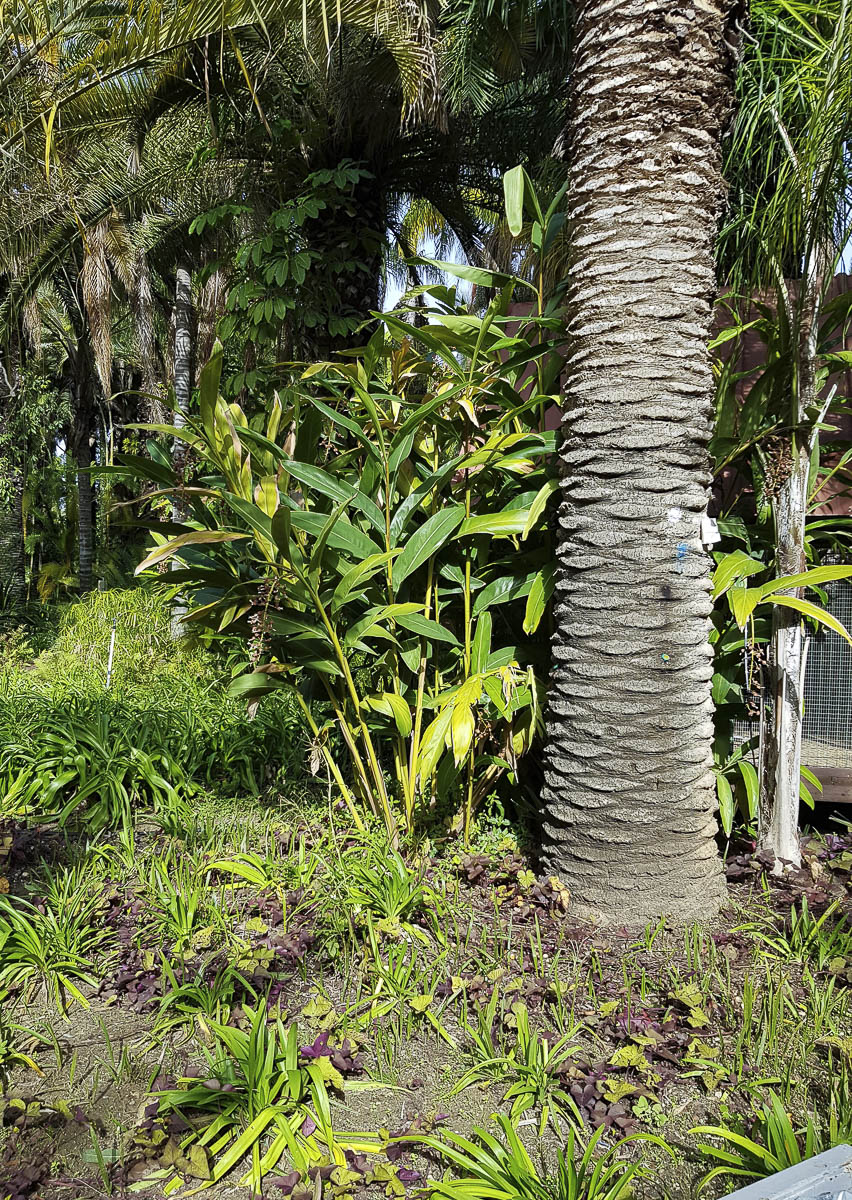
[462,729]
[195,538]
[808,609]
[266,495]
[328,1072]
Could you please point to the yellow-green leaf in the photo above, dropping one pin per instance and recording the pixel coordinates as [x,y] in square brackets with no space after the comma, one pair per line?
[266,495]
[462,728]
[808,609]
[196,537]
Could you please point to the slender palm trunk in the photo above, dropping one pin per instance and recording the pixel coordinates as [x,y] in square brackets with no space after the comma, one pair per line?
[781,757]
[183,388]
[629,791]
[85,518]
[13,585]
[13,581]
[183,343]
[82,433]
[781,745]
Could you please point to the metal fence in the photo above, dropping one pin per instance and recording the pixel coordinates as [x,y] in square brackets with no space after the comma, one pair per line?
[827,718]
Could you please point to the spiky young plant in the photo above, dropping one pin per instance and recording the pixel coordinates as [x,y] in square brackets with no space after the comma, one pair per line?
[532,1067]
[52,946]
[502,1169]
[262,1099]
[770,1144]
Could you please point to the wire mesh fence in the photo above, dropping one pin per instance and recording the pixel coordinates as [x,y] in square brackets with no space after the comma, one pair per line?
[827,718]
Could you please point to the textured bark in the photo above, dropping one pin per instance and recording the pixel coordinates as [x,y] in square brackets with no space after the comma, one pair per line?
[82,433]
[781,758]
[153,408]
[781,750]
[13,580]
[629,793]
[85,518]
[211,307]
[183,385]
[183,343]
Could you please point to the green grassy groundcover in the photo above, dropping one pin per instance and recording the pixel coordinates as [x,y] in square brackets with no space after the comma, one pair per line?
[209,980]
[263,996]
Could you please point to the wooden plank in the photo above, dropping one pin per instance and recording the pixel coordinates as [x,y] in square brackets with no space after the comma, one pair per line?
[836,785]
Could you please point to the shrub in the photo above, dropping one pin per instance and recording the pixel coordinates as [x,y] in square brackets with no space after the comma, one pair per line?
[74,749]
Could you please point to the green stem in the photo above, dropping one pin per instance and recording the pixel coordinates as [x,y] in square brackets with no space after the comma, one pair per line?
[378,778]
[399,742]
[468,803]
[351,745]
[421,689]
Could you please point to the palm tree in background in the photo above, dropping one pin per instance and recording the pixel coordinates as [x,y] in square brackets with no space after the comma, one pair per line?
[146,128]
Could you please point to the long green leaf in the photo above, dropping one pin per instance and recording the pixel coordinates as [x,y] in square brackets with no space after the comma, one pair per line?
[808,609]
[513,194]
[749,775]
[502,590]
[343,536]
[510,522]
[424,627]
[482,278]
[426,540]
[198,537]
[325,484]
[733,567]
[358,575]
[805,579]
[208,391]
[537,600]
[538,506]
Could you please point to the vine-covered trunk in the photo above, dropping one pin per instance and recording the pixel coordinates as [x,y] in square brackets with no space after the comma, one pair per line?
[13,581]
[629,792]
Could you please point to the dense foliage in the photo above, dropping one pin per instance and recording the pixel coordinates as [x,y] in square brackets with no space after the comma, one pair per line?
[283,331]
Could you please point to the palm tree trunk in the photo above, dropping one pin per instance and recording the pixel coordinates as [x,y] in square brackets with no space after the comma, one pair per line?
[143,310]
[13,581]
[85,517]
[781,745]
[629,792]
[183,343]
[85,523]
[183,387]
[81,450]
[13,584]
